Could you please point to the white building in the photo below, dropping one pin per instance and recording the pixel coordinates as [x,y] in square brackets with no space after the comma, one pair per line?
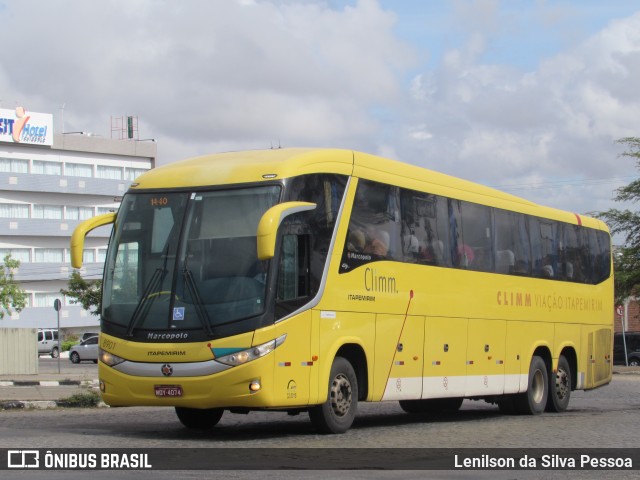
[48,183]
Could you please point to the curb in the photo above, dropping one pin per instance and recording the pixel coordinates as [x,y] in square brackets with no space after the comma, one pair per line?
[47,404]
[49,383]
[44,405]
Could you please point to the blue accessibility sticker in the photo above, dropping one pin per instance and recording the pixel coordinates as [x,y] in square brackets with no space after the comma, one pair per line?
[178,313]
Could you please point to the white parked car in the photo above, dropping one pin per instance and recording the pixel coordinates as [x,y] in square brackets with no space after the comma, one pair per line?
[87,350]
[48,342]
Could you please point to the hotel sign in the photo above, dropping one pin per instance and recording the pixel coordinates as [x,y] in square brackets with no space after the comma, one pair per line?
[23,126]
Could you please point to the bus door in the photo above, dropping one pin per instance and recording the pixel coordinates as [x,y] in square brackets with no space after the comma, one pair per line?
[398,357]
[445,356]
[486,357]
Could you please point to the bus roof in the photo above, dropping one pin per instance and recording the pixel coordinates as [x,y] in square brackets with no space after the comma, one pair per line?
[247,167]
[253,166]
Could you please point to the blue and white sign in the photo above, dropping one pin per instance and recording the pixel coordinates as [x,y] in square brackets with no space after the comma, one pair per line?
[23,126]
[178,313]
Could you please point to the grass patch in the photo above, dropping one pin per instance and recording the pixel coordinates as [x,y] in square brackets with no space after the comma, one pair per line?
[87,399]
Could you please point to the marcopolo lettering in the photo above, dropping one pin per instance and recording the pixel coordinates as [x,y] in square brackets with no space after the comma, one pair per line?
[167,336]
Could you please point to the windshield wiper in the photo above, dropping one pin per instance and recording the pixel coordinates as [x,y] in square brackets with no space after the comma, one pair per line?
[144,304]
[202,313]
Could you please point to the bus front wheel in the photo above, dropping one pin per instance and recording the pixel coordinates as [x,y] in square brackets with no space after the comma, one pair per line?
[534,400]
[337,413]
[199,419]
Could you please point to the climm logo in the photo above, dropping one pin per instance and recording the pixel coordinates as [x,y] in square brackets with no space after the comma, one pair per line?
[23,128]
[513,299]
[373,282]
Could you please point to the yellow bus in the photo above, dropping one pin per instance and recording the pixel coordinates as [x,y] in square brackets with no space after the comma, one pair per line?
[313,279]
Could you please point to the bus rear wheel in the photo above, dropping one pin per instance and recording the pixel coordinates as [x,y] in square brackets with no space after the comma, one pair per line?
[560,387]
[337,413]
[431,405]
[534,400]
[199,419]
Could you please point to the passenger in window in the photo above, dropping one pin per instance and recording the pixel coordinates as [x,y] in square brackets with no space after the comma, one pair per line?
[356,241]
[547,267]
[411,246]
[379,244]
[465,255]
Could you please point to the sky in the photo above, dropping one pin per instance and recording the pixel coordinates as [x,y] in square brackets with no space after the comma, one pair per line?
[526,96]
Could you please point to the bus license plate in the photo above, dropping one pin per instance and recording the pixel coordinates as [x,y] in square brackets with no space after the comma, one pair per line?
[168,390]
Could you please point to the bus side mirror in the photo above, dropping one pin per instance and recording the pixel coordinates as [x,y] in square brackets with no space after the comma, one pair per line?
[269,223]
[81,231]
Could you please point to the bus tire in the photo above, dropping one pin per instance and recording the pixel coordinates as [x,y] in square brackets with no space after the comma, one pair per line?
[534,400]
[431,405]
[199,419]
[337,413]
[560,387]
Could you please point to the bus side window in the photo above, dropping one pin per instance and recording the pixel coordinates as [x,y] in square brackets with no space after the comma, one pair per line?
[425,236]
[599,246]
[544,247]
[575,257]
[513,253]
[476,248]
[375,226]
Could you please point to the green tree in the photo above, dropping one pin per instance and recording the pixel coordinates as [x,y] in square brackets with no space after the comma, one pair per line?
[12,297]
[626,223]
[88,293]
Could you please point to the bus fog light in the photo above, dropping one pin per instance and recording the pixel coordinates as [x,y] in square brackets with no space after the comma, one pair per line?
[255,386]
[103,386]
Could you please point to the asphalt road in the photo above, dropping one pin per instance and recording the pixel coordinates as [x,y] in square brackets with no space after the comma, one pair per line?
[606,417]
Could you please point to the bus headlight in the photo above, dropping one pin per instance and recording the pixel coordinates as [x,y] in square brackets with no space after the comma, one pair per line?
[109,358]
[250,354]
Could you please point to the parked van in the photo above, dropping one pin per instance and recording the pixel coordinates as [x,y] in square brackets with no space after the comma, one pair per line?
[633,349]
[48,342]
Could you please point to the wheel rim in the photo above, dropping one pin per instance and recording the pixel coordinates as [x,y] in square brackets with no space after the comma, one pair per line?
[537,387]
[75,357]
[341,395]
[562,384]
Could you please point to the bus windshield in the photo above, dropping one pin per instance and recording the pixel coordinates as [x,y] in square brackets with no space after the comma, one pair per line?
[186,260]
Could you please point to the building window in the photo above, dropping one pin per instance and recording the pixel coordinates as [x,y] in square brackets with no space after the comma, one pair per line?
[110,173]
[21,254]
[102,255]
[88,256]
[48,212]
[14,210]
[14,165]
[101,210]
[132,173]
[78,213]
[46,299]
[78,170]
[48,255]
[46,168]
